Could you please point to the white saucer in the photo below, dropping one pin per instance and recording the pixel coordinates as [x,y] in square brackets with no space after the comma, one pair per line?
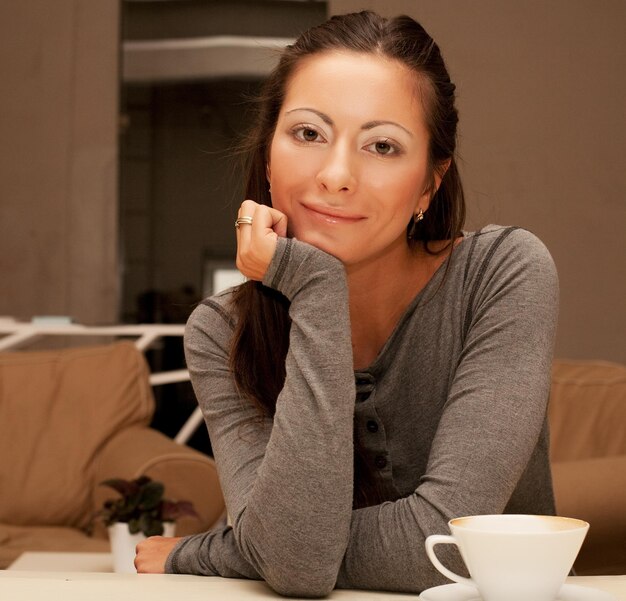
[461,592]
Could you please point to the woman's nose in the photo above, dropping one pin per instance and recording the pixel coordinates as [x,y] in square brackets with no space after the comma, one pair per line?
[337,172]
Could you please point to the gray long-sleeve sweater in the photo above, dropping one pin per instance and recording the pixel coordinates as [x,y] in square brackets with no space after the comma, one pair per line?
[452,412]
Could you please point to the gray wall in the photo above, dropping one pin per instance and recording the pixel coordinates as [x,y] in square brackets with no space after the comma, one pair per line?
[58,164]
[541,93]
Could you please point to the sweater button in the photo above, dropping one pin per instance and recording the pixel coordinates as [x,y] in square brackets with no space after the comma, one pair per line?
[380,462]
[372,426]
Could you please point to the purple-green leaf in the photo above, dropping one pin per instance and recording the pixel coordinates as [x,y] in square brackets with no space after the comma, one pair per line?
[171,510]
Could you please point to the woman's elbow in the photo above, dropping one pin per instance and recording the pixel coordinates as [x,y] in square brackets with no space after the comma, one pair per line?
[301,584]
[289,565]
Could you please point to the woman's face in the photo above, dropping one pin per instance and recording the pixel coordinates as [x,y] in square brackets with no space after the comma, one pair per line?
[348,160]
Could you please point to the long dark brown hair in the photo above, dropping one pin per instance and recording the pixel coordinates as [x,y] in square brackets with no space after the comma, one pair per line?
[261,339]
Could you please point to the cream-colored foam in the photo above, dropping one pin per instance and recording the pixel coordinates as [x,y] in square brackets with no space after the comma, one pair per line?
[518,523]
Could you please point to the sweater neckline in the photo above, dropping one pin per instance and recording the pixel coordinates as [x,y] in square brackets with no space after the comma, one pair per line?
[379,364]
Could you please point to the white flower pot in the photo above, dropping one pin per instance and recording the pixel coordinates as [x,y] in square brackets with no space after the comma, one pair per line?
[123,545]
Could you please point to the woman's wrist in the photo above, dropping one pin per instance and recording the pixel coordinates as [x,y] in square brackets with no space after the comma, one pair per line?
[296,264]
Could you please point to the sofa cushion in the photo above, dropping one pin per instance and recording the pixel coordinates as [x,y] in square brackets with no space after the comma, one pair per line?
[594,490]
[57,409]
[587,410]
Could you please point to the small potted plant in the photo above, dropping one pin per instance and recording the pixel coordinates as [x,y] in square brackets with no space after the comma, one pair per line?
[139,512]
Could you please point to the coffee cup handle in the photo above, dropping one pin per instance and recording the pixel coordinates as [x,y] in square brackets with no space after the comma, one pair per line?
[444,539]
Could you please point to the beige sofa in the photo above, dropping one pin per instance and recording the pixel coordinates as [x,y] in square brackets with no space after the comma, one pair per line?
[70,419]
[587,416]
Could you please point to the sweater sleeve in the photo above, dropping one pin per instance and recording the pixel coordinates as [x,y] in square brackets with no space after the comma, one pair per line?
[488,430]
[287,481]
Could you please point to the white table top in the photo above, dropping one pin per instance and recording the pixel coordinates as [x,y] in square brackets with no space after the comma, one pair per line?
[18,585]
[69,576]
[92,586]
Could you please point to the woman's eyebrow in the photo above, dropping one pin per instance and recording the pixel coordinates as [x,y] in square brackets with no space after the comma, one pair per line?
[369,125]
[323,116]
[372,124]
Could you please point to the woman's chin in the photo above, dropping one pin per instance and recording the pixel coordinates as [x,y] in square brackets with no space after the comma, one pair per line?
[314,239]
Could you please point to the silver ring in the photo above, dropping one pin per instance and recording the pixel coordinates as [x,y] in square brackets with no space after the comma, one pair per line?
[243,221]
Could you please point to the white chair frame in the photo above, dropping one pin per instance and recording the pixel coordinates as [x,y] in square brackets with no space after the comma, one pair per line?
[19,334]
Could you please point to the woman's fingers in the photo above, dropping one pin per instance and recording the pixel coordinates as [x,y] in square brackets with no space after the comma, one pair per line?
[256,241]
[279,222]
[151,554]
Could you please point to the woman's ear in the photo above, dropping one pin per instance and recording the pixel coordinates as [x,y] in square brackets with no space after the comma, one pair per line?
[431,190]
[268,173]
[440,171]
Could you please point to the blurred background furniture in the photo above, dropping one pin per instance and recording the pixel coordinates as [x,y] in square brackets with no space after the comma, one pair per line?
[587,415]
[70,419]
[19,334]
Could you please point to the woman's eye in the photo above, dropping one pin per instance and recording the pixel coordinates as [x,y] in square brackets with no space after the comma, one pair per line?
[310,135]
[307,134]
[382,148]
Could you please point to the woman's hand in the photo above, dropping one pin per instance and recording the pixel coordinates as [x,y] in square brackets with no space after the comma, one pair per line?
[256,243]
[152,553]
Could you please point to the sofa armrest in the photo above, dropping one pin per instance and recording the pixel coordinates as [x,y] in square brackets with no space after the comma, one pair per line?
[595,490]
[186,473]
[587,410]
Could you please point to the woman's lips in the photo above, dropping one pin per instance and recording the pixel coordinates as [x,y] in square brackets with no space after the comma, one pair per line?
[328,215]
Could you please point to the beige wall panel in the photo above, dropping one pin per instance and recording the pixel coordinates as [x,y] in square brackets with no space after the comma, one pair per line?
[93,176]
[58,111]
[35,57]
[541,96]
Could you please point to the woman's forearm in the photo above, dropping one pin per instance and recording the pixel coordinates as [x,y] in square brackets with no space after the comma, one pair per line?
[288,482]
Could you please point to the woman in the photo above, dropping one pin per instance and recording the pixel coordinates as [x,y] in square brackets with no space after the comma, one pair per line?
[382,372]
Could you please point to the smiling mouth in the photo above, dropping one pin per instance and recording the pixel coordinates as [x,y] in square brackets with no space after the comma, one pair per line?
[330,216]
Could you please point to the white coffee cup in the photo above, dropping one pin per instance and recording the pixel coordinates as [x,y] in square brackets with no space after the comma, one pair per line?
[513,557]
